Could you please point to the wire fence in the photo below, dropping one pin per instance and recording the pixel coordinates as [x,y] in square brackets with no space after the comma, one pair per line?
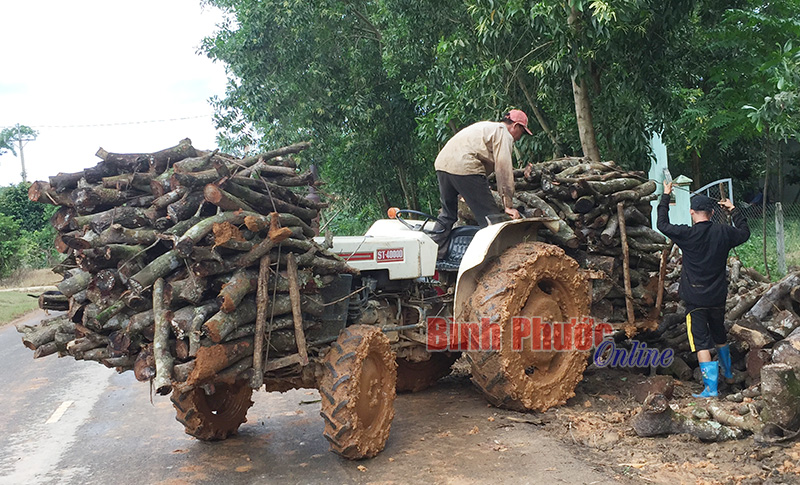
[781,222]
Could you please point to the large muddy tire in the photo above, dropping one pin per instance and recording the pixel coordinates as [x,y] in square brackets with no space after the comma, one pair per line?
[530,279]
[416,376]
[358,391]
[214,416]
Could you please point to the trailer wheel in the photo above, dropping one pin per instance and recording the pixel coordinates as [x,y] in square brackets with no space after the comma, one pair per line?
[215,415]
[531,279]
[358,390]
[416,376]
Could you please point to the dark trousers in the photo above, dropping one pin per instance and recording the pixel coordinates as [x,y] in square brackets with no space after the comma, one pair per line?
[476,192]
[705,327]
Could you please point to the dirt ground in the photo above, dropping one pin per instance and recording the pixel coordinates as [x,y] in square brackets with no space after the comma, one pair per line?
[596,422]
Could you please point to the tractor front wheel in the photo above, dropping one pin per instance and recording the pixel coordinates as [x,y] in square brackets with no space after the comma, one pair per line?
[531,279]
[358,390]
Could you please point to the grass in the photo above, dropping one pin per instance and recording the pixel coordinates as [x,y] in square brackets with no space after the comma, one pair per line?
[25,278]
[14,304]
[751,253]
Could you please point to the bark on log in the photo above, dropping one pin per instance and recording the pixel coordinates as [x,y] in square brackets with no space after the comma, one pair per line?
[156,162]
[787,351]
[294,296]
[211,360]
[625,263]
[224,200]
[241,283]
[44,194]
[781,391]
[752,332]
[262,301]
[163,357]
[76,280]
[190,289]
[782,323]
[657,418]
[267,204]
[564,234]
[159,267]
[767,302]
[747,422]
[65,181]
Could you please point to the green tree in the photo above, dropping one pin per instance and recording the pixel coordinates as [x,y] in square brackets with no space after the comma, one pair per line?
[26,235]
[30,216]
[723,69]
[314,70]
[14,137]
[9,244]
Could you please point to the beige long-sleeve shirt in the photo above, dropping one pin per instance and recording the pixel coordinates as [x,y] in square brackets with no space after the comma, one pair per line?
[480,149]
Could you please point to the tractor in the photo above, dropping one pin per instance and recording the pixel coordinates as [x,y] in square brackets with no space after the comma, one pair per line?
[378,333]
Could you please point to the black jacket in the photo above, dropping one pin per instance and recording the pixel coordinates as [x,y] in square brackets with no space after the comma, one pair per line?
[705,247]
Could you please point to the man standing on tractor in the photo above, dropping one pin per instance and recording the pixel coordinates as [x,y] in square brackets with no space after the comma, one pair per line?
[704,282]
[465,162]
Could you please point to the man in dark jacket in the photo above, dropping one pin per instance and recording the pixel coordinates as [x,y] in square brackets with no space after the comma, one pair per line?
[704,282]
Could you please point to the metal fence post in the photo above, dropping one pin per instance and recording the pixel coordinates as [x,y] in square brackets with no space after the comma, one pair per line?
[781,244]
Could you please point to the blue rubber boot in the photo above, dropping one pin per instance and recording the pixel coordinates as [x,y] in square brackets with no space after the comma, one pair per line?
[710,372]
[724,354]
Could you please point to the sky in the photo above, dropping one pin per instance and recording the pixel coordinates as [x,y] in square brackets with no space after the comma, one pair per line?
[104,73]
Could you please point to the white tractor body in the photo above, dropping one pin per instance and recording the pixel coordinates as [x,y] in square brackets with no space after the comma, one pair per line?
[389,245]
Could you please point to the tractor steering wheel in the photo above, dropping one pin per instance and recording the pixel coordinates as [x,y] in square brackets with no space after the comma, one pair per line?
[417,227]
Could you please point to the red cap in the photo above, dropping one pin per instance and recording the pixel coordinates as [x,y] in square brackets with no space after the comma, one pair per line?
[518,116]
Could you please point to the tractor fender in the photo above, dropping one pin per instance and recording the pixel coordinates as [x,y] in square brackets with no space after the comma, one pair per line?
[489,243]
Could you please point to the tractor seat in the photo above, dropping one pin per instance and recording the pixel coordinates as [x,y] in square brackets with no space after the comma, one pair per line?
[459,240]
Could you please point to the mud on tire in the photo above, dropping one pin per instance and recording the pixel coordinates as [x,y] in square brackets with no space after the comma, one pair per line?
[357,391]
[529,279]
[213,416]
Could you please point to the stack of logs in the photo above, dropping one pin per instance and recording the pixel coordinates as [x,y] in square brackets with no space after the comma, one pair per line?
[181,255]
[604,223]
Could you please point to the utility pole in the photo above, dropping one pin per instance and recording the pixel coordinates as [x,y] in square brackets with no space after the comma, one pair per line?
[20,141]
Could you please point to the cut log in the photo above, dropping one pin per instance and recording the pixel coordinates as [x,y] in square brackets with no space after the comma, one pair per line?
[782,323]
[625,263]
[262,302]
[787,351]
[294,296]
[224,200]
[780,389]
[190,289]
[727,417]
[752,332]
[767,302]
[44,194]
[242,282]
[155,162]
[657,418]
[743,303]
[564,234]
[213,359]
[163,358]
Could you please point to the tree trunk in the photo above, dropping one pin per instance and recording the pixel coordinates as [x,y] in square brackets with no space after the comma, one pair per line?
[583,113]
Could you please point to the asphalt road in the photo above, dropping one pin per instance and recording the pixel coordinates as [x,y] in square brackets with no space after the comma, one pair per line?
[70,422]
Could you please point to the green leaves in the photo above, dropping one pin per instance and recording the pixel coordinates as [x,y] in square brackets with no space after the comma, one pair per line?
[11,135]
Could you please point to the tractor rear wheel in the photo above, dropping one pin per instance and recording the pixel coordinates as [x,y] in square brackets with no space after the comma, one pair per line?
[213,415]
[531,279]
[416,376]
[358,390]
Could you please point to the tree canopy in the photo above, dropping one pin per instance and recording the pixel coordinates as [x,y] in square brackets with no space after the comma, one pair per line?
[10,136]
[380,85]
